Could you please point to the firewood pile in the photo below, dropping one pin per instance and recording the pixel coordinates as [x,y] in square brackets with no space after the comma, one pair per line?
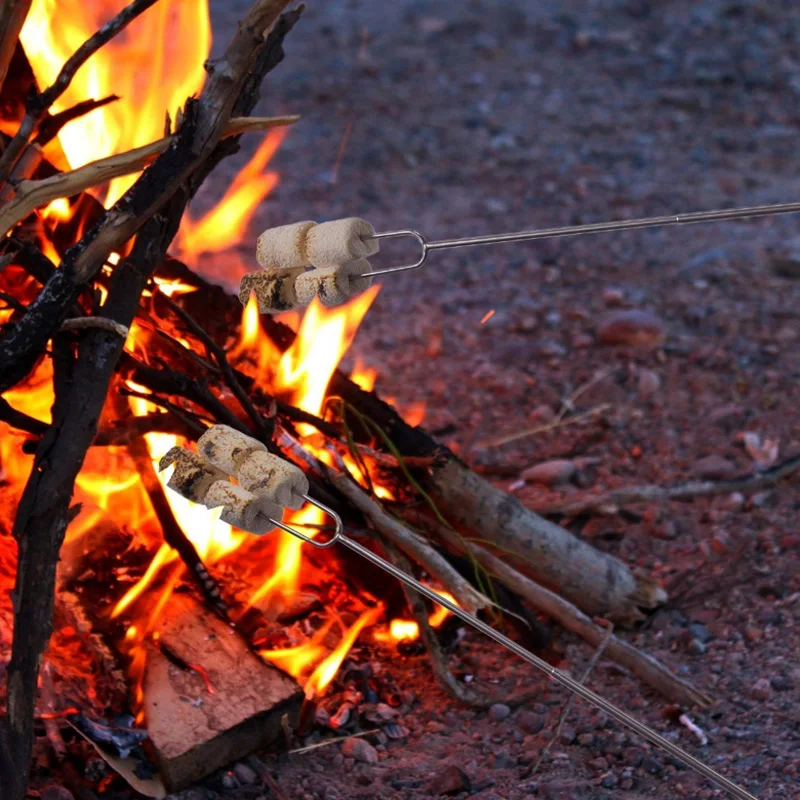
[137,350]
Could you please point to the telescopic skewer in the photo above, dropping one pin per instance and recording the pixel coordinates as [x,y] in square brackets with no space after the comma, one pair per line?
[694,217]
[557,675]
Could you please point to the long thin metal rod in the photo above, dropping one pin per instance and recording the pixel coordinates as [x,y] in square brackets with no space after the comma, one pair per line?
[621,225]
[555,674]
[720,215]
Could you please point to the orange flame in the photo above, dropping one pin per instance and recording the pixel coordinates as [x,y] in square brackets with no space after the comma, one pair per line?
[322,676]
[406,630]
[222,228]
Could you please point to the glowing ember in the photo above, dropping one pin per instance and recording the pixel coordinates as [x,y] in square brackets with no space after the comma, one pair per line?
[406,630]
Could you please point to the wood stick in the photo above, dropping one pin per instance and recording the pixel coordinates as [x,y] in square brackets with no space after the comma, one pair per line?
[595,581]
[31,194]
[198,136]
[645,667]
[52,124]
[39,103]
[610,502]
[12,18]
[418,549]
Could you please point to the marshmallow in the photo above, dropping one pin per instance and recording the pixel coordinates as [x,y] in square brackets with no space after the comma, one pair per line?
[269,476]
[340,240]
[192,476]
[241,509]
[284,247]
[343,281]
[275,291]
[226,448]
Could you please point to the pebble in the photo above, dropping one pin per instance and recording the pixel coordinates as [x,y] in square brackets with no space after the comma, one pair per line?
[780,684]
[761,689]
[498,712]
[361,750]
[786,260]
[631,327]
[56,793]
[229,781]
[613,296]
[550,473]
[530,722]
[246,775]
[451,780]
[649,383]
[568,734]
[714,468]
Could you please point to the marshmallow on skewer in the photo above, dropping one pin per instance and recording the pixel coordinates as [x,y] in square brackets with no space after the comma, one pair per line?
[192,476]
[334,285]
[267,475]
[241,508]
[274,289]
[284,247]
[226,448]
[339,241]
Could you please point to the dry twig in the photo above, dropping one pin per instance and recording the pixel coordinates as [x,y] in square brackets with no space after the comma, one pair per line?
[12,18]
[610,502]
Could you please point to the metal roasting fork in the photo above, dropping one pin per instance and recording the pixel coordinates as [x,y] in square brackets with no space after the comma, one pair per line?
[558,676]
[577,230]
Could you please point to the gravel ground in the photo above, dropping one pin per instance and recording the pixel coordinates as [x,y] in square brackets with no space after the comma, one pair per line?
[464,118]
[490,116]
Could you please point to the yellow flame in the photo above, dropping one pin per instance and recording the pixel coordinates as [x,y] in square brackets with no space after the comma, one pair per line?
[152,66]
[322,676]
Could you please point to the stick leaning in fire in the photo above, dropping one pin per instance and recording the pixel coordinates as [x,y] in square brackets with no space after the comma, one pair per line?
[229,449]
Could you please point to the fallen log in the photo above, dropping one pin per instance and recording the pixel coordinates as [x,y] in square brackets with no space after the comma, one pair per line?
[208,699]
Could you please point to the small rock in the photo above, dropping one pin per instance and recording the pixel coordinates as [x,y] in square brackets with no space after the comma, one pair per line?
[530,722]
[586,739]
[613,296]
[696,647]
[631,327]
[652,765]
[761,690]
[361,750]
[568,734]
[780,684]
[608,781]
[245,774]
[786,260]
[451,780]
[632,756]
[498,712]
[229,781]
[542,414]
[337,760]
[56,793]
[550,473]
[714,468]
[649,383]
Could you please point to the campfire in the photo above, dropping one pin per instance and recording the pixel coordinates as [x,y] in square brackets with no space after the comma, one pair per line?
[122,341]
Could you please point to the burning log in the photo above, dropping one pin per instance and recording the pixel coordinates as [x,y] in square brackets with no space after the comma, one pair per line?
[208,699]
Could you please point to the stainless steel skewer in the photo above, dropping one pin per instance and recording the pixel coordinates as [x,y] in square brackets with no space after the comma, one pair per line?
[556,674]
[579,230]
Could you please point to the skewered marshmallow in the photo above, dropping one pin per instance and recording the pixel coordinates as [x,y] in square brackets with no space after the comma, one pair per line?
[275,291]
[192,476]
[339,241]
[284,247]
[226,448]
[334,285]
[241,508]
[267,475]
